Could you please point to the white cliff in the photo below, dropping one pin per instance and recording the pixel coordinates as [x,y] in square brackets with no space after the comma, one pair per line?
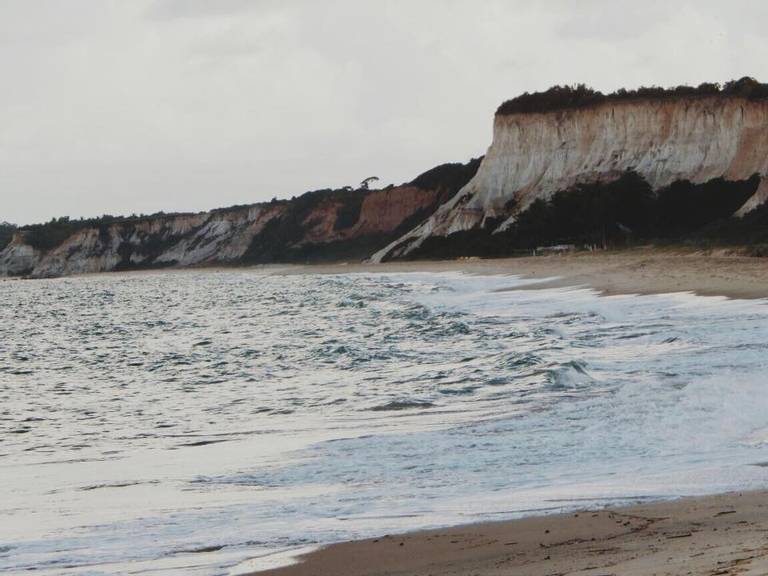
[18,257]
[534,155]
[219,236]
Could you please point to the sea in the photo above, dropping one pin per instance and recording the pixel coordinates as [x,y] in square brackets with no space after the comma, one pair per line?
[219,422]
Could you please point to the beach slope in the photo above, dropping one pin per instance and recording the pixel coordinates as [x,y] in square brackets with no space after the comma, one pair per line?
[713,536]
[646,270]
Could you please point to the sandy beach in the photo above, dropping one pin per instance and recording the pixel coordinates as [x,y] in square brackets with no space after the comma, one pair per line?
[714,536]
[640,270]
[650,270]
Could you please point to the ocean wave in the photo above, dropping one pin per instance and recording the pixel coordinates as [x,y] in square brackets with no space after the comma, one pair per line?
[350,405]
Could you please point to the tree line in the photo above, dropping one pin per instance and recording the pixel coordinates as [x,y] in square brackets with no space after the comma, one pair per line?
[582,96]
[7,231]
[621,213]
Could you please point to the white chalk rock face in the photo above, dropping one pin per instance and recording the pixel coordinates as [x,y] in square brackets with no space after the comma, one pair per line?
[211,237]
[84,252]
[535,155]
[18,258]
[223,237]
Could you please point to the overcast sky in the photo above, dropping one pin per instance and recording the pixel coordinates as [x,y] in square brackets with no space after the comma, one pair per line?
[123,106]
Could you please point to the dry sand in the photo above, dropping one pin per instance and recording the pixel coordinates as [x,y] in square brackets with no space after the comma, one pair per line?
[642,271]
[713,536]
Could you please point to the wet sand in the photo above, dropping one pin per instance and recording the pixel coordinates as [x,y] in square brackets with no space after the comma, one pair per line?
[713,536]
[641,271]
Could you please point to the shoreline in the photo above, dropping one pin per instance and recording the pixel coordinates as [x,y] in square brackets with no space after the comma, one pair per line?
[647,270]
[716,535]
[632,271]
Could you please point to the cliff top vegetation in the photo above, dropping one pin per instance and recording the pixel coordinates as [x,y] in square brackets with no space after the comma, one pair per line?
[6,233]
[582,96]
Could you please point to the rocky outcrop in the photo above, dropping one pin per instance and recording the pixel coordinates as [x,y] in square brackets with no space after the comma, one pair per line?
[18,258]
[380,212]
[664,140]
[223,236]
[321,225]
[183,240]
[335,225]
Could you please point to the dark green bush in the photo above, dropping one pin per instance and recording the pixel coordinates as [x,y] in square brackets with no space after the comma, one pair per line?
[449,177]
[51,234]
[6,233]
[619,213]
[581,96]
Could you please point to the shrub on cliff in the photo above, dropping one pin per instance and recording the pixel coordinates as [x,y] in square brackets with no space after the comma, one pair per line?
[746,88]
[748,230]
[594,213]
[620,213]
[51,234]
[556,98]
[683,207]
[348,213]
[6,233]
[582,96]
[447,177]
[627,210]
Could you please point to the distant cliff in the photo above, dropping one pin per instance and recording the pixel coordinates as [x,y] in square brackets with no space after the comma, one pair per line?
[325,225]
[567,166]
[563,162]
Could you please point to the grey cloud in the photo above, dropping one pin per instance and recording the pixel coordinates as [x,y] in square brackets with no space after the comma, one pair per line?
[179,105]
[177,9]
[618,20]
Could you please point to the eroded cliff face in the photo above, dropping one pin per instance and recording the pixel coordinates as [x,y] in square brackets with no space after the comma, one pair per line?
[534,155]
[322,225]
[184,240]
[18,258]
[381,212]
